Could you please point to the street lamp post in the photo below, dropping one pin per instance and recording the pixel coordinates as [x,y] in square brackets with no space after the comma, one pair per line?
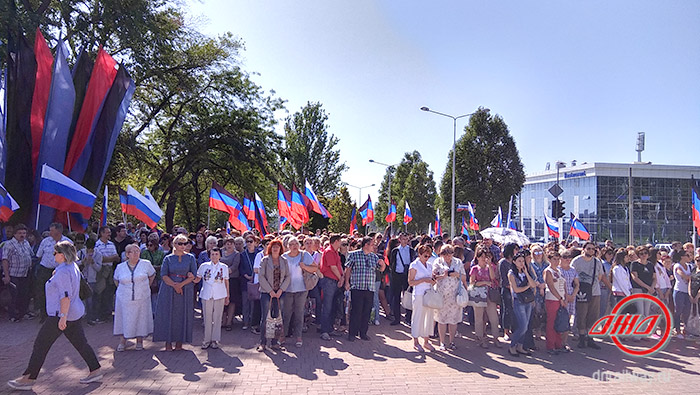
[390,168]
[359,195]
[454,145]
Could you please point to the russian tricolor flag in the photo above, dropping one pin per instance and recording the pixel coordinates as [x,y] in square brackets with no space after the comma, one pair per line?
[577,229]
[391,216]
[497,221]
[7,205]
[103,216]
[473,222]
[407,217]
[438,227]
[552,226]
[142,208]
[316,204]
[60,192]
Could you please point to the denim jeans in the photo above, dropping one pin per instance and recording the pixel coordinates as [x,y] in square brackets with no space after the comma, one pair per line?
[264,308]
[329,288]
[315,294]
[522,313]
[604,301]
[245,304]
[92,303]
[681,301]
[377,285]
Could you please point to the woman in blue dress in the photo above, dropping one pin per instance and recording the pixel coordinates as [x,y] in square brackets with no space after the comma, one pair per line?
[175,307]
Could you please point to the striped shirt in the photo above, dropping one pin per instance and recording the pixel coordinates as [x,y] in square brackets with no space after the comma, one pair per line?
[569,275]
[363,270]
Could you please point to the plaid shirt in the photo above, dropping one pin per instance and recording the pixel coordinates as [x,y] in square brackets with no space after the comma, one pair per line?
[363,270]
[19,257]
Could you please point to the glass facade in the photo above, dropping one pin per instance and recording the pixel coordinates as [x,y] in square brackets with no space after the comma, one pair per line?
[662,207]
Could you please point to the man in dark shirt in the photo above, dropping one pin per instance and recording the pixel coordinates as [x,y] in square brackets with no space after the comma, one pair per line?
[400,259]
[121,239]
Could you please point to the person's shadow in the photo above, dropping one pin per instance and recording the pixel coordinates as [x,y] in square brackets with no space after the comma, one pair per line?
[184,362]
[304,361]
[220,360]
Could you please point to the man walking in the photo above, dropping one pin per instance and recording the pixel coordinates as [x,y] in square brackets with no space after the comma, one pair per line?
[400,259]
[16,262]
[360,275]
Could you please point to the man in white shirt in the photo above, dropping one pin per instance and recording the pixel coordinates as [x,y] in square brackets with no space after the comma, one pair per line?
[108,251]
[47,264]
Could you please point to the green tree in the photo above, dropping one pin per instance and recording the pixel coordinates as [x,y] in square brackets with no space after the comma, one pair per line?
[195,117]
[411,181]
[340,207]
[311,153]
[488,167]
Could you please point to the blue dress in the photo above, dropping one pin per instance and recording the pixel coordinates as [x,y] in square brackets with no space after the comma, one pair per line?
[174,312]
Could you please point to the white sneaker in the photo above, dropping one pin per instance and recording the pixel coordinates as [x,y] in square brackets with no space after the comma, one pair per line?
[214,344]
[205,345]
[91,378]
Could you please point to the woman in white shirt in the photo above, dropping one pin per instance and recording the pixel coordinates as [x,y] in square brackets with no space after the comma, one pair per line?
[621,285]
[420,277]
[681,297]
[133,317]
[663,282]
[294,299]
[214,296]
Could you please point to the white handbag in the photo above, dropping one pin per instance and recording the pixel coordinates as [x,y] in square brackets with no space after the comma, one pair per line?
[432,299]
[407,299]
[693,326]
[462,296]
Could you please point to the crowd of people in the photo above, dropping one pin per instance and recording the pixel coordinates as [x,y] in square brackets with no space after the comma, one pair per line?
[151,283]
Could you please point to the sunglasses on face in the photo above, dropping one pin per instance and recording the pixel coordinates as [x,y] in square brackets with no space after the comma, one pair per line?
[426,256]
[249,241]
[344,245]
[181,244]
[56,252]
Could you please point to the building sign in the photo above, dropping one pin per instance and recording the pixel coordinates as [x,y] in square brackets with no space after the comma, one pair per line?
[575,174]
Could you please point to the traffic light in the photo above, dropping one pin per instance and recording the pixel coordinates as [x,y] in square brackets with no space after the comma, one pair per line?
[557,208]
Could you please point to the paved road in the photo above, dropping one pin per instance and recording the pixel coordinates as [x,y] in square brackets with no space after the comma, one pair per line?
[385,365]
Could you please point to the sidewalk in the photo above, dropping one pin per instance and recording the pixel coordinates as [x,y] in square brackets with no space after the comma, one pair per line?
[387,364]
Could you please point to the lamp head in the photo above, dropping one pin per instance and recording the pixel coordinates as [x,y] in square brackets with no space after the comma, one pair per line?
[424,108]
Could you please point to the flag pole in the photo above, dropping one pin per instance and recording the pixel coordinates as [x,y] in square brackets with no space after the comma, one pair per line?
[208,217]
[692,223]
[68,218]
[38,210]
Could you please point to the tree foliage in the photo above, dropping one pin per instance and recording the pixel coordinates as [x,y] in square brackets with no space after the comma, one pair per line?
[411,181]
[311,153]
[196,116]
[340,207]
[488,170]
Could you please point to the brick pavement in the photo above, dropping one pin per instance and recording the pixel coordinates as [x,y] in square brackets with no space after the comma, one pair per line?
[385,365]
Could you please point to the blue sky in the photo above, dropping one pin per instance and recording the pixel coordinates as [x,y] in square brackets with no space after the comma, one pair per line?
[572,79]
